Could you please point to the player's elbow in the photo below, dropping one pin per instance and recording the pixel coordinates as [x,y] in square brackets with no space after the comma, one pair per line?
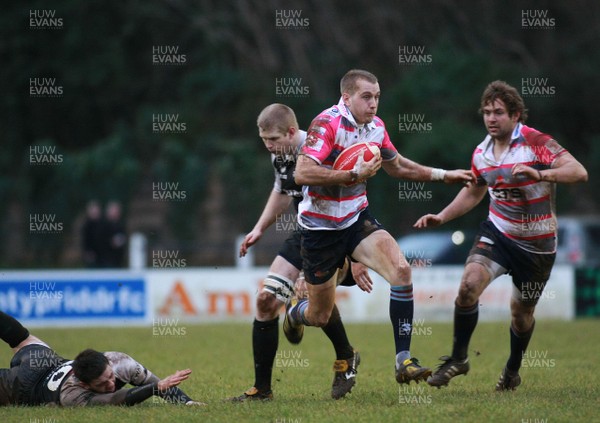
[300,177]
[582,175]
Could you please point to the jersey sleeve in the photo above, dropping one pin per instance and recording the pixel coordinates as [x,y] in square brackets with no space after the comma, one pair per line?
[131,396]
[127,369]
[73,395]
[554,150]
[388,149]
[320,138]
[546,149]
[479,180]
[277,182]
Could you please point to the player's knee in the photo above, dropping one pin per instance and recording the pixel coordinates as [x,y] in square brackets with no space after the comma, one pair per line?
[267,305]
[402,275]
[522,318]
[320,318]
[470,289]
[405,274]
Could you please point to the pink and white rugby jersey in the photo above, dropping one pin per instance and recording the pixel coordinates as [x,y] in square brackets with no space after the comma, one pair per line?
[336,207]
[522,209]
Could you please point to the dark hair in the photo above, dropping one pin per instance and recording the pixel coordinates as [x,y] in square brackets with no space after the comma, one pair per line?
[500,90]
[348,82]
[89,365]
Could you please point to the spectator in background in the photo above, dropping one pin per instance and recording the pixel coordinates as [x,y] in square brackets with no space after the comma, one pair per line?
[116,235]
[91,236]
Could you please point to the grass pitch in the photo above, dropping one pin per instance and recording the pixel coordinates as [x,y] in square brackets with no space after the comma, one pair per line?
[560,376]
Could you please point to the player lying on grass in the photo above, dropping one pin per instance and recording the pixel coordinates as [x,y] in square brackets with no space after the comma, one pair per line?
[38,376]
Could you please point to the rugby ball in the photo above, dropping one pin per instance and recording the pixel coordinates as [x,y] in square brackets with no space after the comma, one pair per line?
[348,157]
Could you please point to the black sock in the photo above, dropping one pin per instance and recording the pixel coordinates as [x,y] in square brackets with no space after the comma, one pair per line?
[401,314]
[518,346]
[465,320]
[335,330]
[265,338]
[11,331]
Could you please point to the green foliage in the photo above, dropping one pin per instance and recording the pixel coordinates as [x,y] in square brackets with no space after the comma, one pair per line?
[186,167]
[245,166]
[102,124]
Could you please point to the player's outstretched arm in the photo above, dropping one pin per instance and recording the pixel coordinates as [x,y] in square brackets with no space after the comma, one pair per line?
[403,168]
[162,388]
[459,176]
[173,394]
[127,396]
[276,204]
[466,199]
[173,380]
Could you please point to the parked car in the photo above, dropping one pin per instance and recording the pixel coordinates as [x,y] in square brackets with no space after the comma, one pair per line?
[578,244]
[423,249]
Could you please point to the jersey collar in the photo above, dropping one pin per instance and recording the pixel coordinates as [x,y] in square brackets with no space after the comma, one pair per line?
[488,153]
[516,132]
[345,112]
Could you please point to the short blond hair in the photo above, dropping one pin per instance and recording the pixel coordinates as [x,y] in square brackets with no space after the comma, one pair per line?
[277,116]
[348,82]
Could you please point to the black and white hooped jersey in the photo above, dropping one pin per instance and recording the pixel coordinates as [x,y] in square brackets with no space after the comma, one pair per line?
[284,166]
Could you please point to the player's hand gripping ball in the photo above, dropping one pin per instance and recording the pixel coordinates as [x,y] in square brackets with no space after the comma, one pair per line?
[352,158]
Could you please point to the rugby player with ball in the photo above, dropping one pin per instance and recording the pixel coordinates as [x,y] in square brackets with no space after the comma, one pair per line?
[335,218]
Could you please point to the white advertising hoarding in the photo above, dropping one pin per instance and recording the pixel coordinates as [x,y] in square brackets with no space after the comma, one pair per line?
[206,296]
[198,295]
